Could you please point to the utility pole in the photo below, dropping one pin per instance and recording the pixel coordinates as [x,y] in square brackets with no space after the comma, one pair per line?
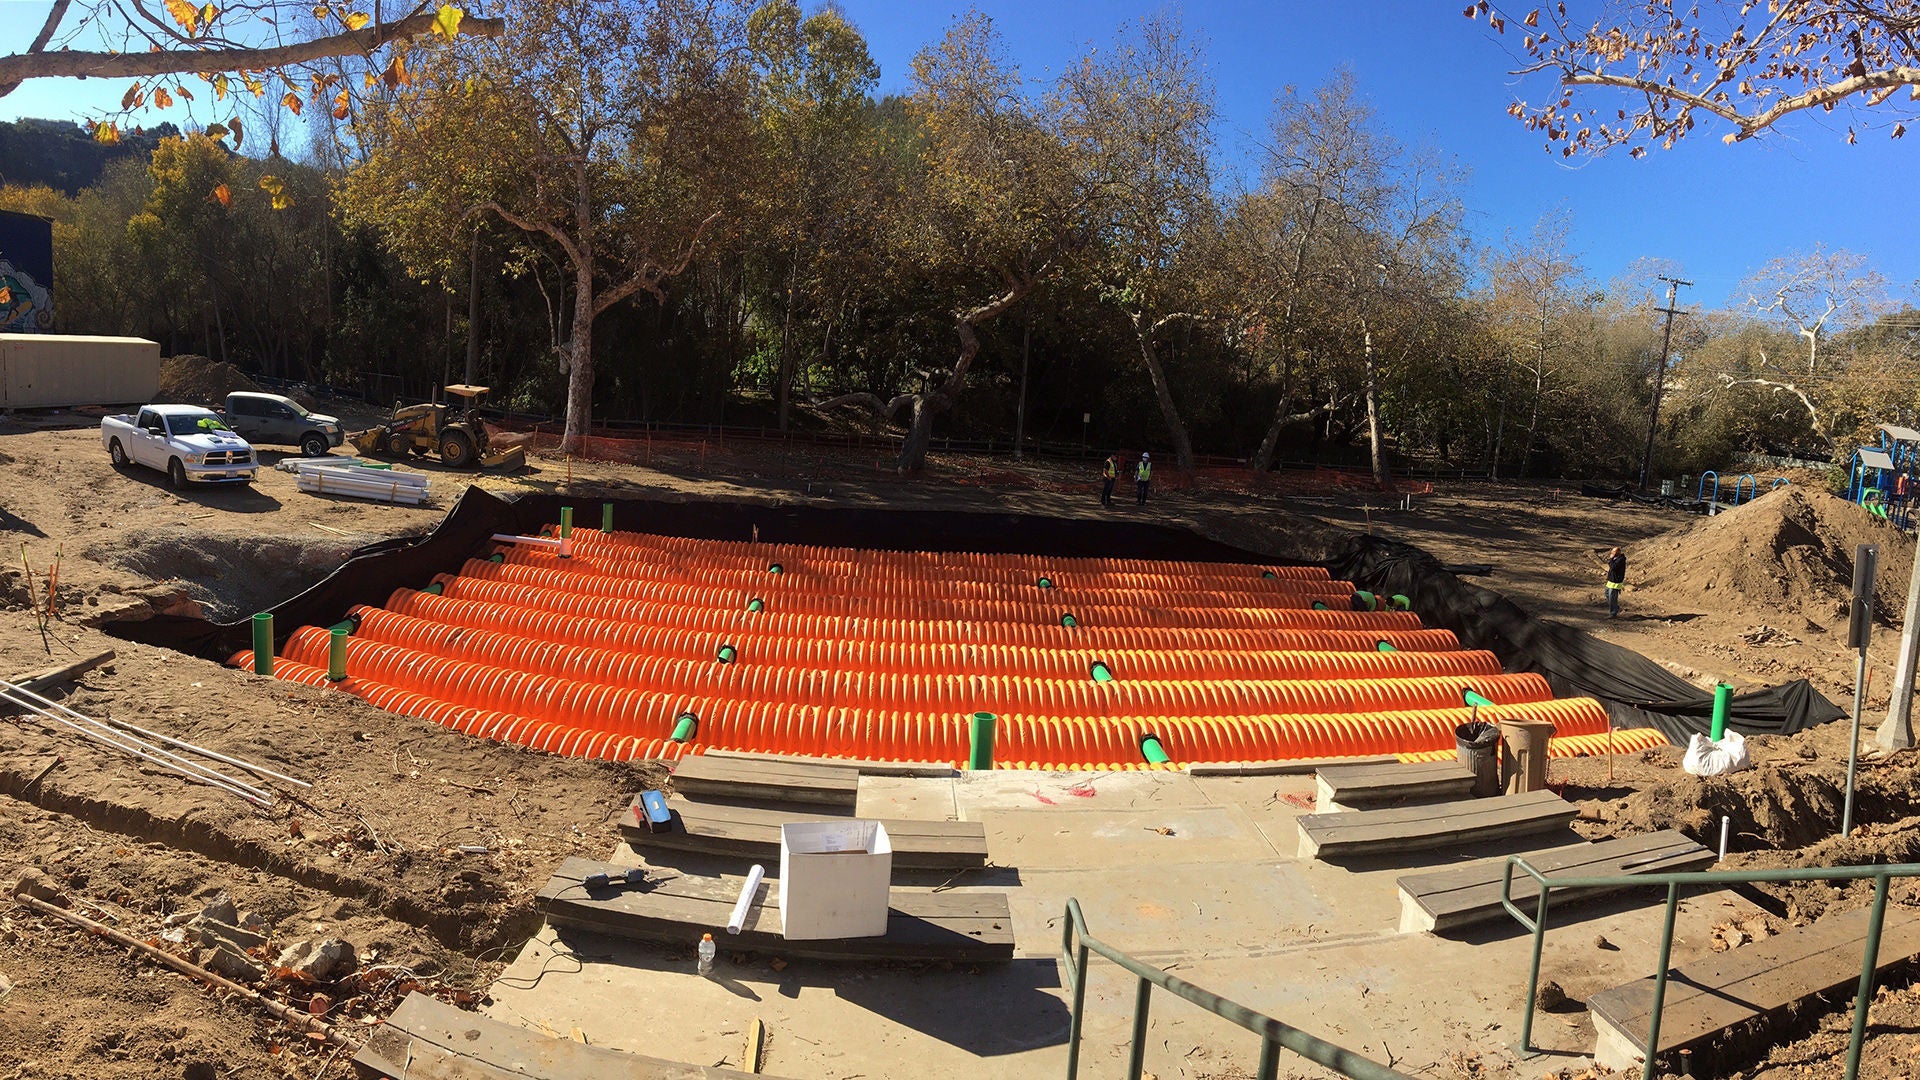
[1660,377]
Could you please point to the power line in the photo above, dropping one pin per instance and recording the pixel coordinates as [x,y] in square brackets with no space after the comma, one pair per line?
[1660,375]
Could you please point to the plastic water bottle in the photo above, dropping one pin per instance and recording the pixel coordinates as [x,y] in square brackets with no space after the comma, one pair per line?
[707,950]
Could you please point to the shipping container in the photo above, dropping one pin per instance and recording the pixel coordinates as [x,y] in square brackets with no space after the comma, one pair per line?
[45,371]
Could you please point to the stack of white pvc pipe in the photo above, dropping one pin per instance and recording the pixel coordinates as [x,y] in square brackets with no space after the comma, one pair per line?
[379,485]
[126,738]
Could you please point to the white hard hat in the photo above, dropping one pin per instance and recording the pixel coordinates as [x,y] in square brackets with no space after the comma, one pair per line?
[1144,455]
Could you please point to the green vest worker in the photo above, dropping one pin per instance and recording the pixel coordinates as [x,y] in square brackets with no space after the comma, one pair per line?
[1109,473]
[1616,580]
[1142,475]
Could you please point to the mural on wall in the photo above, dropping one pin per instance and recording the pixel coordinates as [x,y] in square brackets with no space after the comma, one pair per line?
[26,274]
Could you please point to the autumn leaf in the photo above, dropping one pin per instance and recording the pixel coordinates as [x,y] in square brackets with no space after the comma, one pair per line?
[132,98]
[320,12]
[292,101]
[281,202]
[447,23]
[396,73]
[1533,18]
[6,296]
[216,131]
[233,125]
[181,92]
[162,99]
[340,106]
[219,88]
[254,85]
[185,14]
[207,15]
[357,20]
[104,132]
[222,195]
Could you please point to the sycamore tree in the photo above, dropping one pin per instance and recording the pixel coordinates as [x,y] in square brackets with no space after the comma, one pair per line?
[1640,73]
[1137,118]
[287,52]
[987,216]
[607,132]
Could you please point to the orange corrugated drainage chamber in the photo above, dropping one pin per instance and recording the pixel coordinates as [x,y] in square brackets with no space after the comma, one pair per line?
[627,645]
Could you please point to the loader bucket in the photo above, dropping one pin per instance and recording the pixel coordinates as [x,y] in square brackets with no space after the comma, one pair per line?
[509,460]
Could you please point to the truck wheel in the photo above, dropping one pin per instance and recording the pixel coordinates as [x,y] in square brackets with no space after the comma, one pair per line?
[314,444]
[397,444]
[456,449]
[118,453]
[176,474]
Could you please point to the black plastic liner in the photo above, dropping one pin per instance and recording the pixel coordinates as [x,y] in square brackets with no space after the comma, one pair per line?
[1636,691]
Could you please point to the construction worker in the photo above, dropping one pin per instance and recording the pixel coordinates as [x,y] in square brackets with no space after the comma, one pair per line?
[1109,473]
[1616,580]
[1142,476]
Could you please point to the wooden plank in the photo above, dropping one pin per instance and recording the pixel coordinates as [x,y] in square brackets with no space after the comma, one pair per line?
[426,1039]
[1413,828]
[46,679]
[1742,985]
[770,781]
[1357,787]
[677,908]
[864,766]
[1289,767]
[1468,895]
[753,833]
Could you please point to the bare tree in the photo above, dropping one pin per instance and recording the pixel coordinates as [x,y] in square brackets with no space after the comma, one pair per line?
[1818,293]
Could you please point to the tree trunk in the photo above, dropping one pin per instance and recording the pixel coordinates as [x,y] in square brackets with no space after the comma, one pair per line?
[580,363]
[783,383]
[1020,410]
[1373,411]
[473,310]
[1169,412]
[1263,457]
[935,400]
[913,452]
[1533,421]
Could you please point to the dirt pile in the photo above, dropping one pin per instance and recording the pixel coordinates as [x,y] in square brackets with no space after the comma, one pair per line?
[196,380]
[1789,552]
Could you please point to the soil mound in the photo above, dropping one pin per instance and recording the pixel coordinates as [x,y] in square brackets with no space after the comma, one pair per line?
[1789,552]
[196,380]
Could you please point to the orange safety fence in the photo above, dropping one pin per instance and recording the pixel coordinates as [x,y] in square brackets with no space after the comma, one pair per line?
[628,629]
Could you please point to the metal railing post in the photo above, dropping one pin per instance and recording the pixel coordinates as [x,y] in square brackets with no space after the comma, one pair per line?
[1869,967]
[1269,1061]
[1533,971]
[1137,1053]
[1660,979]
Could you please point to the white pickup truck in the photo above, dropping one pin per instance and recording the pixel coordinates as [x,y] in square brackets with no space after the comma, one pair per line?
[190,444]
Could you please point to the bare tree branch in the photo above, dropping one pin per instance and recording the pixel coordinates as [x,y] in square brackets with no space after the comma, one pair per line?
[20,67]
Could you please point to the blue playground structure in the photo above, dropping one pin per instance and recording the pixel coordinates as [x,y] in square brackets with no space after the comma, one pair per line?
[1746,488]
[1873,479]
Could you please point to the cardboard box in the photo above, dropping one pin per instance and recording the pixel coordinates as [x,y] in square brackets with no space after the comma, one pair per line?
[835,877]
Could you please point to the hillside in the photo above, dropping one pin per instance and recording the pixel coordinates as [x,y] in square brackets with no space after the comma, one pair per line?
[64,155]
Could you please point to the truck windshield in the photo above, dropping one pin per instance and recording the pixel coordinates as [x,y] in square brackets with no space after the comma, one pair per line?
[186,423]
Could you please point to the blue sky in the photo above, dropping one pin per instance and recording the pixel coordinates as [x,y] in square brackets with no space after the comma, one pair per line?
[1435,78]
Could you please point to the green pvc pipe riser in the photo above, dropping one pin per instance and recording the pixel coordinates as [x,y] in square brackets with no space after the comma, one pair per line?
[606,518]
[1151,749]
[1046,583]
[1268,575]
[726,654]
[437,588]
[1402,602]
[1475,701]
[1101,672]
[684,727]
[337,653]
[1069,621]
[756,604]
[498,556]
[1384,646]
[1367,598]
[566,522]
[1722,704]
[980,746]
[775,569]
[345,624]
[1319,605]
[263,643]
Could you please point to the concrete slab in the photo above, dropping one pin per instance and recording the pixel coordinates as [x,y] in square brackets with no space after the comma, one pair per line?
[923,799]
[1258,792]
[1063,838]
[1219,903]
[977,793]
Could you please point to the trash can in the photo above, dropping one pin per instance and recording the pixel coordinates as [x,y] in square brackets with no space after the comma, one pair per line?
[1477,745]
[1666,488]
[1523,756]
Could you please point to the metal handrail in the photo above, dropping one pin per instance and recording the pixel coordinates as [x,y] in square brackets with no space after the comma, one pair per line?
[1869,964]
[1077,944]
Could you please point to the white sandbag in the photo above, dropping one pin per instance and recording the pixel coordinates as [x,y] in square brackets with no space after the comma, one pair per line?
[1708,758]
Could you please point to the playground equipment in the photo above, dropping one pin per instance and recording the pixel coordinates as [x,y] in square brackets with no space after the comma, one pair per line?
[1746,488]
[1875,472]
